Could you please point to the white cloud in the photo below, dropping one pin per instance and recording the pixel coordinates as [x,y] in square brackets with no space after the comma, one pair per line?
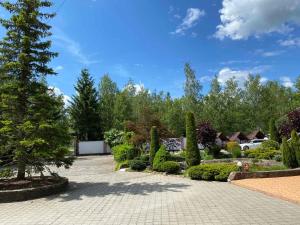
[137,87]
[286,81]
[290,42]
[240,76]
[58,92]
[73,47]
[241,19]
[269,53]
[190,20]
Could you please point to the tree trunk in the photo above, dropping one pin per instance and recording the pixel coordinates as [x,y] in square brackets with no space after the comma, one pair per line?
[21,171]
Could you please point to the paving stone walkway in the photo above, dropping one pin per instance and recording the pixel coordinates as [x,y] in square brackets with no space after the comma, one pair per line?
[100,196]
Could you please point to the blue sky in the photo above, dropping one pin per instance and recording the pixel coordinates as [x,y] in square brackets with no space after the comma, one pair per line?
[149,41]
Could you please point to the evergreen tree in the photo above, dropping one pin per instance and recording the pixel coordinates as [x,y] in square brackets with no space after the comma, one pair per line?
[154,145]
[294,147]
[107,97]
[288,155]
[192,90]
[122,109]
[84,109]
[33,124]
[192,151]
[274,135]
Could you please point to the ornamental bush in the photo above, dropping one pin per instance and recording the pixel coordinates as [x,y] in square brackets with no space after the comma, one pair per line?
[270,144]
[124,152]
[154,145]
[231,145]
[170,167]
[214,171]
[294,147]
[137,165]
[160,157]
[192,152]
[288,155]
[236,152]
[262,153]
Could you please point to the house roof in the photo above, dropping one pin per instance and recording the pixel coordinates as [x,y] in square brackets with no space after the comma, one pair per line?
[222,136]
[256,134]
[237,135]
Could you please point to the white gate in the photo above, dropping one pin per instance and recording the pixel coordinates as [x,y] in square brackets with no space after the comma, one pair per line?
[93,147]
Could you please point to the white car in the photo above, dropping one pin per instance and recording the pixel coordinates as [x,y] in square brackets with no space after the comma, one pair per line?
[252,144]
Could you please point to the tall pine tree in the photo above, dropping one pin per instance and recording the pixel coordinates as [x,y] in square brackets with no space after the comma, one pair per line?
[84,109]
[33,126]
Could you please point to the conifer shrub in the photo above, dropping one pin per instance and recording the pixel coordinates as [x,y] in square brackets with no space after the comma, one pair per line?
[160,157]
[192,152]
[124,152]
[137,164]
[288,154]
[170,167]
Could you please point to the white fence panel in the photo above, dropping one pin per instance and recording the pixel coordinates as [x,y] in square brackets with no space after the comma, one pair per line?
[93,147]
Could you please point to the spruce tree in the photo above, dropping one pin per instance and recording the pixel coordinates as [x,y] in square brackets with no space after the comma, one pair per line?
[288,156]
[84,109]
[154,145]
[192,151]
[33,127]
[274,135]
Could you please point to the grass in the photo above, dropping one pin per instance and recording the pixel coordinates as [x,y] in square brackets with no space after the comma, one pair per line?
[255,168]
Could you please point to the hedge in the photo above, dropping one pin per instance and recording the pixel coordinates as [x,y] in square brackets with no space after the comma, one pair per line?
[211,172]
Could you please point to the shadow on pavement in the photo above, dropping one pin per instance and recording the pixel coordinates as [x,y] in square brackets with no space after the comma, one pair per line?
[87,189]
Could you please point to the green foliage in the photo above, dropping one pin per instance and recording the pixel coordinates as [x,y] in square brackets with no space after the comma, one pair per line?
[116,137]
[107,98]
[84,112]
[214,171]
[6,173]
[236,152]
[274,134]
[170,167]
[192,151]
[255,168]
[177,158]
[288,154]
[124,152]
[138,165]
[231,145]
[214,150]
[34,128]
[121,165]
[270,144]
[161,156]
[262,153]
[294,148]
[154,145]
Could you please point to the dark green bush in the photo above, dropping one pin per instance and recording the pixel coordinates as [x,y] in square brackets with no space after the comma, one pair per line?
[278,158]
[160,157]
[214,150]
[214,171]
[192,152]
[170,167]
[137,165]
[270,144]
[124,152]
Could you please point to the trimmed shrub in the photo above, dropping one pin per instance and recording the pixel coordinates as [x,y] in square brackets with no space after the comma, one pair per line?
[288,155]
[137,165]
[192,152]
[170,167]
[232,145]
[124,152]
[214,171]
[274,134]
[294,146]
[214,150]
[270,144]
[160,157]
[154,145]
[260,153]
[236,152]
[176,158]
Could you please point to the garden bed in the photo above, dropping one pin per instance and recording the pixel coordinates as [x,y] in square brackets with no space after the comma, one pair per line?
[12,190]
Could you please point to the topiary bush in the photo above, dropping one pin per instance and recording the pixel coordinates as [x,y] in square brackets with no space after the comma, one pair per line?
[231,145]
[138,165]
[214,171]
[160,157]
[192,152]
[236,152]
[154,145]
[288,155]
[177,158]
[170,167]
[124,152]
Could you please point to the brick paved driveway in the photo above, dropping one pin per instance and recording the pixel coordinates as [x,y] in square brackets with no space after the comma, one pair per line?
[100,196]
